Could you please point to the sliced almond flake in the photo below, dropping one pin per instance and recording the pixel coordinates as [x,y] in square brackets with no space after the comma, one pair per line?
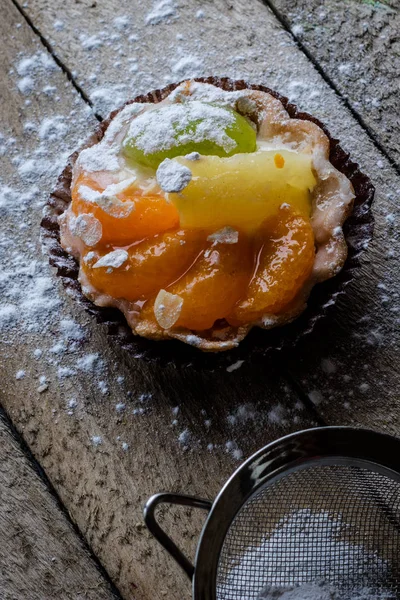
[167,308]
[90,257]
[226,235]
[113,259]
[193,156]
[88,194]
[172,176]
[87,228]
[114,206]
[121,186]
[107,200]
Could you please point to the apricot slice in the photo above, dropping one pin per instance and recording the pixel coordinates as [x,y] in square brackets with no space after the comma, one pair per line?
[126,218]
[284,263]
[140,270]
[212,286]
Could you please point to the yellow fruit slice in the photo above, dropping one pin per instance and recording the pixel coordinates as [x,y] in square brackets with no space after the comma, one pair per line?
[243,190]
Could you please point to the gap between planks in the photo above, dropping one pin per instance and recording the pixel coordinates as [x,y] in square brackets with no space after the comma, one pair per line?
[56,58]
[360,120]
[284,23]
[291,379]
[39,471]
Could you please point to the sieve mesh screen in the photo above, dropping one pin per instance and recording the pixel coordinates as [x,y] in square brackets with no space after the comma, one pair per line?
[333,524]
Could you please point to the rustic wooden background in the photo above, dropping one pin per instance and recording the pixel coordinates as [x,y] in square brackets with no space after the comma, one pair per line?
[87,433]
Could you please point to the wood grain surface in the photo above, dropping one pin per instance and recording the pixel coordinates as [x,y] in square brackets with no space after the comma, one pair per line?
[108,429]
[41,557]
[364,329]
[356,45]
[351,369]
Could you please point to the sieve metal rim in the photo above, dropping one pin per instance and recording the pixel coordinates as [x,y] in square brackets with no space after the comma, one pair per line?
[369,449]
[295,451]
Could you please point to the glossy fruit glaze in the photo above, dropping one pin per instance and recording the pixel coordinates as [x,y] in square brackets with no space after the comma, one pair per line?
[236,274]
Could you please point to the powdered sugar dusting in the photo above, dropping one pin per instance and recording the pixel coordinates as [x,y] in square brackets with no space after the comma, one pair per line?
[87,228]
[187,66]
[164,127]
[106,160]
[105,156]
[294,562]
[172,176]
[235,366]
[226,235]
[163,10]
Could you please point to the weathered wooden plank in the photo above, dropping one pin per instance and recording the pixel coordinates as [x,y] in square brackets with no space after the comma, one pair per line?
[365,325]
[353,375]
[267,55]
[41,557]
[355,42]
[108,430]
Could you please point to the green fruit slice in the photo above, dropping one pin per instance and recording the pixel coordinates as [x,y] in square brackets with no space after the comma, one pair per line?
[174,130]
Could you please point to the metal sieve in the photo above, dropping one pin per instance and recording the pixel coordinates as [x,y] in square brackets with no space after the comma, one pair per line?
[321,505]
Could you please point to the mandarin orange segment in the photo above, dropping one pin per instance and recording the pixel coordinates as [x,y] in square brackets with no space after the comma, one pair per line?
[285,261]
[149,265]
[139,216]
[213,285]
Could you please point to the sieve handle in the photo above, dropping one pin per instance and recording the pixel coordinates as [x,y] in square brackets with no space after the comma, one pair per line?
[160,535]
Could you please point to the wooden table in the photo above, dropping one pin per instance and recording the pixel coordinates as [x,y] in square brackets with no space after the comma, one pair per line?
[87,432]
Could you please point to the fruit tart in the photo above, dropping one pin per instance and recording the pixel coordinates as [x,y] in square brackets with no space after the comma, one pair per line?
[206,211]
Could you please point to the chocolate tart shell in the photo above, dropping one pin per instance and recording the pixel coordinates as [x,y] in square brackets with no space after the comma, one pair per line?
[258,344]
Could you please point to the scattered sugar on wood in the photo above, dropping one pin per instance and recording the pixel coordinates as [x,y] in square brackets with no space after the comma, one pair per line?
[162,11]
[232,448]
[328,366]
[89,363]
[235,366]
[184,439]
[316,397]
[103,387]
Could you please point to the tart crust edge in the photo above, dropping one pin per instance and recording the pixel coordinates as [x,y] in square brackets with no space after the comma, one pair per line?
[68,267]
